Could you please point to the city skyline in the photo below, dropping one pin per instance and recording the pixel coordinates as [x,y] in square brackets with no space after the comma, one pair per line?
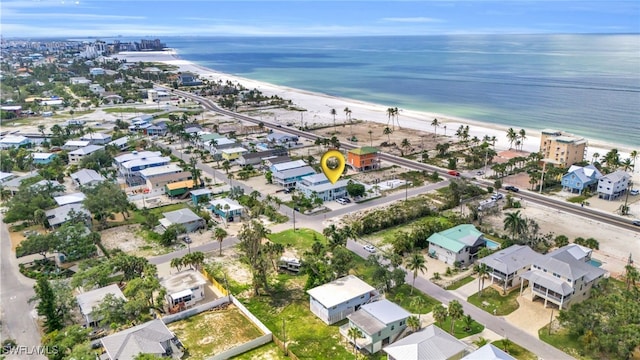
[63,18]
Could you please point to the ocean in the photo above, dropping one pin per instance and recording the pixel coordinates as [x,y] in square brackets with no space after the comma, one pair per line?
[588,85]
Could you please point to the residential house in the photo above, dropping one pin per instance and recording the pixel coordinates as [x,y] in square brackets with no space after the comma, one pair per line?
[226,208]
[215,146]
[12,182]
[6,176]
[159,176]
[561,150]
[580,178]
[157,129]
[506,266]
[457,244]
[161,181]
[185,287]
[280,139]
[60,215]
[112,98]
[380,323]
[563,277]
[179,188]
[121,143]
[320,185]
[43,158]
[79,80]
[274,160]
[158,95]
[185,217]
[96,71]
[200,195]
[75,144]
[86,177]
[88,301]
[334,301]
[188,79]
[97,89]
[488,352]
[287,165]
[14,141]
[430,343]
[232,154]
[96,138]
[73,198]
[364,158]
[205,138]
[289,178]
[256,158]
[134,167]
[76,156]
[152,338]
[614,185]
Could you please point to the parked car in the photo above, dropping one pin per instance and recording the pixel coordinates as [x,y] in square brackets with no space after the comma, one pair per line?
[634,192]
[341,201]
[636,222]
[346,199]
[370,248]
[511,188]
[453,173]
[479,172]
[497,196]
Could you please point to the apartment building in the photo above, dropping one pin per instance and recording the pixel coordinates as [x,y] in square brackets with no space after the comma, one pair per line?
[562,150]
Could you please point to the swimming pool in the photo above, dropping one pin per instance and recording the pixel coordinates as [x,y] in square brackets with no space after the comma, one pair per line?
[595,262]
[492,245]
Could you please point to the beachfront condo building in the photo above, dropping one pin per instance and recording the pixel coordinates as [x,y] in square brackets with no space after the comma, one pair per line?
[562,150]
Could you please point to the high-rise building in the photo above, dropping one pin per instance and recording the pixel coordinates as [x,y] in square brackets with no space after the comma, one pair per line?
[560,149]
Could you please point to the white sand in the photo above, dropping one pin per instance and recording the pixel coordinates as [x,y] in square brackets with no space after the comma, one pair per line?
[319,107]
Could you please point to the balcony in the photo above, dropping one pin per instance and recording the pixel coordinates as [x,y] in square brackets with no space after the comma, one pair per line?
[361,342]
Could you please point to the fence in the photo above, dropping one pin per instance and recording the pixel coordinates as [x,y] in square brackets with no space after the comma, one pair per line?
[215,283]
[194,310]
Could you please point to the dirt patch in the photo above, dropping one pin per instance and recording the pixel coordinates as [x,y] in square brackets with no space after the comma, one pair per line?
[125,238]
[230,262]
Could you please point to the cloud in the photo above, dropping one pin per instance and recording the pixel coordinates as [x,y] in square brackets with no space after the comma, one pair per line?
[412,20]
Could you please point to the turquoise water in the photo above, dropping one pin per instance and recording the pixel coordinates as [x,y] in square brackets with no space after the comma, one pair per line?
[595,262]
[492,245]
[583,84]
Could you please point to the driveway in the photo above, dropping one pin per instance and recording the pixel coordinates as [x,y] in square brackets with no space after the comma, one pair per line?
[531,315]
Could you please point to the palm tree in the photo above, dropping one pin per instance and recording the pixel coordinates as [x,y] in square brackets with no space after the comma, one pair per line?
[219,234]
[370,138]
[387,132]
[436,124]
[455,312]
[634,155]
[483,271]
[413,323]
[523,136]
[405,144]
[396,112]
[416,263]
[176,263]
[595,157]
[468,321]
[631,275]
[515,224]
[354,333]
[334,113]
[347,115]
[226,166]
[390,113]
[512,136]
[440,314]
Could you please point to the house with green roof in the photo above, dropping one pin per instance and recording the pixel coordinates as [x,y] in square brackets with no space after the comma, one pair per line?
[363,158]
[460,243]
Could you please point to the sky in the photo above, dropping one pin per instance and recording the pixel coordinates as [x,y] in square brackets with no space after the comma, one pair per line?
[157,18]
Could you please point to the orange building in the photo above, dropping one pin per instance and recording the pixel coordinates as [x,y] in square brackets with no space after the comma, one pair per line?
[364,158]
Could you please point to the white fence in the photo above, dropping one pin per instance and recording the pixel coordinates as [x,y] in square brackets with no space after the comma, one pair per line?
[194,310]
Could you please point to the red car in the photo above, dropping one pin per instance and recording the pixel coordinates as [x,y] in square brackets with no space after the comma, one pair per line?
[453,173]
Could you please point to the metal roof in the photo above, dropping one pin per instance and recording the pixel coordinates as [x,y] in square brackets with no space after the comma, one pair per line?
[340,290]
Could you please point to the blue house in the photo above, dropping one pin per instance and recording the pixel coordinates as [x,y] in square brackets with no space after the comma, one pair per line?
[334,301]
[225,208]
[43,158]
[198,195]
[579,178]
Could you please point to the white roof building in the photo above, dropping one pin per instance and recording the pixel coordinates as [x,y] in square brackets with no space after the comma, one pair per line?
[340,290]
[430,343]
[93,298]
[74,198]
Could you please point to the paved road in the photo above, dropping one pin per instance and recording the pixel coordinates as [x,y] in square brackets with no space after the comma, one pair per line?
[496,324]
[17,313]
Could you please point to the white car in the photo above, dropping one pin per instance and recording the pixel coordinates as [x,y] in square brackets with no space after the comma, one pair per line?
[341,201]
[634,192]
[370,248]
[497,196]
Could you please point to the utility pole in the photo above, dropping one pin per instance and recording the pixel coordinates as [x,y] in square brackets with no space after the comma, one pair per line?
[284,338]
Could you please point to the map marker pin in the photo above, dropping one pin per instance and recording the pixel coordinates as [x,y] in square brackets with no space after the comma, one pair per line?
[332,174]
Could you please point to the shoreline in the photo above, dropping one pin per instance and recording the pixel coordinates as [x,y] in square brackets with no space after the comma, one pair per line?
[319,105]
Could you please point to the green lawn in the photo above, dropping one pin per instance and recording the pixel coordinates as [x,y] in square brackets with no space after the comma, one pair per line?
[516,350]
[131,110]
[562,340]
[301,239]
[307,336]
[461,282]
[201,342]
[503,305]
[418,303]
[268,351]
[459,328]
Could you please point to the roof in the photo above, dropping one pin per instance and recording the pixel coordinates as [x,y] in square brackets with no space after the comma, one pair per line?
[288,165]
[160,170]
[60,214]
[70,198]
[386,311]
[278,136]
[430,343]
[366,322]
[13,139]
[488,352]
[340,290]
[119,141]
[234,150]
[144,338]
[292,173]
[181,216]
[172,177]
[42,156]
[85,176]
[570,262]
[511,259]
[222,202]
[615,176]
[76,143]
[180,184]
[184,280]
[87,150]
[365,150]
[200,192]
[548,281]
[6,175]
[95,136]
[319,188]
[465,233]
[146,161]
[89,299]
[220,141]
[136,155]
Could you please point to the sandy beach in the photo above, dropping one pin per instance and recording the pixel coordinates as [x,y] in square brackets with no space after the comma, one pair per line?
[319,107]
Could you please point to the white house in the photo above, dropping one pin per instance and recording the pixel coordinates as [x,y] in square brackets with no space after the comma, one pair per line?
[88,301]
[75,144]
[76,156]
[96,138]
[185,287]
[506,266]
[319,185]
[86,177]
[457,244]
[612,186]
[333,301]
[11,141]
[430,343]
[152,337]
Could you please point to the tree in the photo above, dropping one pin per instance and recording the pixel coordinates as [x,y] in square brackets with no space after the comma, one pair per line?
[483,272]
[354,333]
[104,200]
[46,297]
[455,312]
[170,234]
[177,262]
[561,240]
[387,131]
[251,235]
[355,189]
[413,323]
[68,342]
[631,275]
[405,144]
[436,124]
[440,314]
[515,224]
[219,234]
[468,322]
[522,135]
[512,136]
[416,263]
[334,113]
